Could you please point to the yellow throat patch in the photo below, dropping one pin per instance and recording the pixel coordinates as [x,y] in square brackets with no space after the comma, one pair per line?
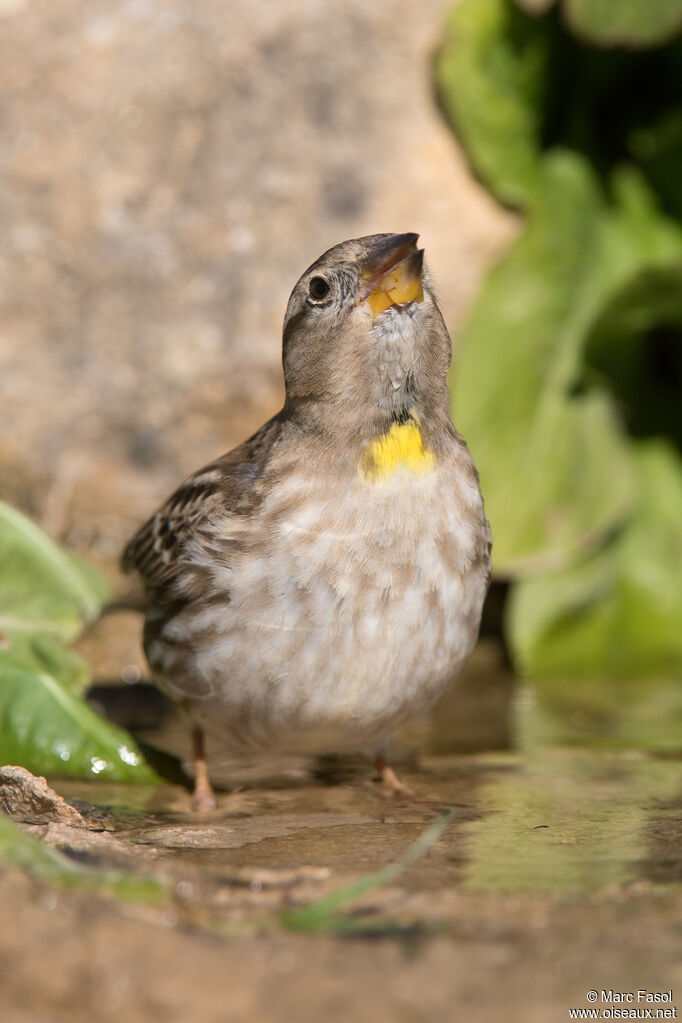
[401,448]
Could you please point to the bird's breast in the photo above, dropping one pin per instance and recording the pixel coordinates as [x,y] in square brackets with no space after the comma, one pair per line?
[353,610]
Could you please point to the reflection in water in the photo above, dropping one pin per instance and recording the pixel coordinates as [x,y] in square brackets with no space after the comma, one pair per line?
[561,788]
[572,821]
[595,794]
[600,714]
[476,713]
[664,843]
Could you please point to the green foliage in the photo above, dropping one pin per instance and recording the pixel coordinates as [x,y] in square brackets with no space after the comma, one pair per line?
[619,610]
[490,77]
[42,589]
[45,598]
[568,380]
[514,85]
[627,22]
[541,449]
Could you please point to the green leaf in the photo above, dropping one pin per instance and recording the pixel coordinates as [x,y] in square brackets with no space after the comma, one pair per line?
[630,23]
[618,613]
[535,6]
[556,470]
[554,465]
[45,597]
[656,145]
[41,652]
[501,76]
[17,849]
[47,728]
[490,74]
[635,348]
[573,351]
[43,589]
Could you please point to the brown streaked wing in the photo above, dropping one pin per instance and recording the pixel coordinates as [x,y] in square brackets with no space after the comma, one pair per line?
[159,551]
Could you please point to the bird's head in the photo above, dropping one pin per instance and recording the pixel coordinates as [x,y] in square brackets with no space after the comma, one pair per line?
[364,341]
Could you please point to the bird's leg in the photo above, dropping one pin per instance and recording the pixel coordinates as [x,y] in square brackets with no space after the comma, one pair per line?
[390,781]
[203,797]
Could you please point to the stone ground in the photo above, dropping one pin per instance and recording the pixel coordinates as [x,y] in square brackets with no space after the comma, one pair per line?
[555,876]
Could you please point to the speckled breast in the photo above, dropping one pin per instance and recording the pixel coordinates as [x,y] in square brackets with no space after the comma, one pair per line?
[352,612]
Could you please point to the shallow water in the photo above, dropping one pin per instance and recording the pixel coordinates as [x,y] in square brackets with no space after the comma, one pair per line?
[560,789]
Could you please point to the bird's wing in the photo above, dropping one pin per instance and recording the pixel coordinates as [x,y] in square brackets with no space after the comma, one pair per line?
[193,527]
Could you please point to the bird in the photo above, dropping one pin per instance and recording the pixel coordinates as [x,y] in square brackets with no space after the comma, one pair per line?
[323,582]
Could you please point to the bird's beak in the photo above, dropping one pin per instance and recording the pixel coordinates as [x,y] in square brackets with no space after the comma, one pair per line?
[393,272]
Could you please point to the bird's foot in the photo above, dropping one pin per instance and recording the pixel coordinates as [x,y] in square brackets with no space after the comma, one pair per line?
[203,797]
[390,782]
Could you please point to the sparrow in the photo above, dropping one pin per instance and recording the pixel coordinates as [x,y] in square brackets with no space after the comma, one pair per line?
[323,582]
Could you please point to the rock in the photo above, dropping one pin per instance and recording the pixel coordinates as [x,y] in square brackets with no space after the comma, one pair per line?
[30,800]
[168,170]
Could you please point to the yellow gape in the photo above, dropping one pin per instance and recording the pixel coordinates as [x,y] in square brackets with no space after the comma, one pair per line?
[398,286]
[401,448]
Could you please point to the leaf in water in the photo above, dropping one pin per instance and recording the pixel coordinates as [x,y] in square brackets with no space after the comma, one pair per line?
[42,588]
[617,613]
[624,22]
[47,728]
[17,849]
[491,74]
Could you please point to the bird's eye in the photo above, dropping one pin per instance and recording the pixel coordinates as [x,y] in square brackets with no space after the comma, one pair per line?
[318,289]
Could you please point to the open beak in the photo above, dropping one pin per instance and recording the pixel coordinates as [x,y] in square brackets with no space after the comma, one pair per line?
[393,271]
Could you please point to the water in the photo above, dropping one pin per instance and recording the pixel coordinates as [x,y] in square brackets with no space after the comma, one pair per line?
[562,790]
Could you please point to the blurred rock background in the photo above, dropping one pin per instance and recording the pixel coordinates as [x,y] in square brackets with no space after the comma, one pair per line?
[167,171]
